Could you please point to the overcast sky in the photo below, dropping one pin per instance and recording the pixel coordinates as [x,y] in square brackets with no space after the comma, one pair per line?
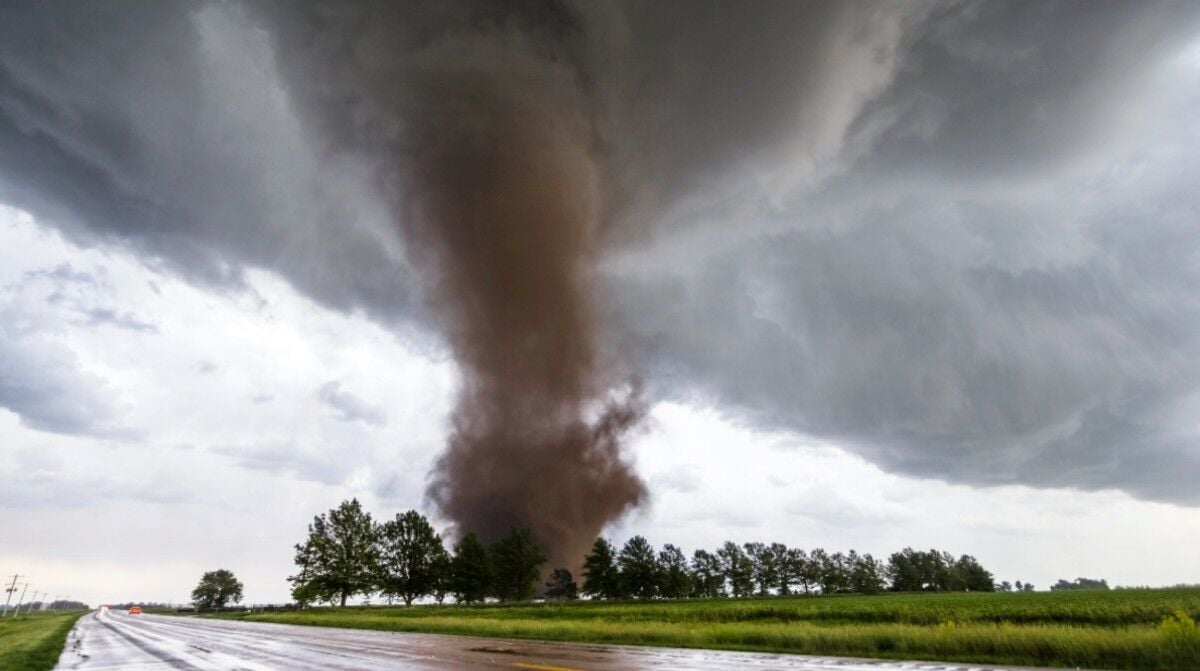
[897,274]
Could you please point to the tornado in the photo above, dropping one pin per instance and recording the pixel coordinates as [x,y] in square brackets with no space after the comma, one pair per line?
[503,207]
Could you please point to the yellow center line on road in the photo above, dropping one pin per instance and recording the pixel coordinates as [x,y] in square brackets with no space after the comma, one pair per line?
[542,667]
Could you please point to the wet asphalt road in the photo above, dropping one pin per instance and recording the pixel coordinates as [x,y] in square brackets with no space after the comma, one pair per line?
[116,640]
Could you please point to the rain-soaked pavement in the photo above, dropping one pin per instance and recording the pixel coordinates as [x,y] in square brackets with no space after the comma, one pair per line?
[116,640]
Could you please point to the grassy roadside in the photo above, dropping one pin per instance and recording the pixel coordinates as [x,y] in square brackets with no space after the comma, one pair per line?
[34,642]
[1144,629]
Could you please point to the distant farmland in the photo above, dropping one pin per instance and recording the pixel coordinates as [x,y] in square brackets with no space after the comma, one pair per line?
[1134,629]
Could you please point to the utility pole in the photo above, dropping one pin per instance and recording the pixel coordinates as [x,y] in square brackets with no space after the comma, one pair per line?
[21,600]
[29,604]
[11,588]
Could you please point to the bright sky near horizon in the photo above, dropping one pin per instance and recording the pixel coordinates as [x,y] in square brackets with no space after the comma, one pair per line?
[893,275]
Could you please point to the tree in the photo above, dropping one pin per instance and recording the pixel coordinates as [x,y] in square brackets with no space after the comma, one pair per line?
[304,588]
[601,578]
[867,575]
[737,569]
[562,586]
[443,581]
[785,568]
[818,560]
[1079,583]
[516,561]
[807,569]
[639,570]
[827,570]
[970,576]
[470,570]
[216,589]
[409,557]
[913,571]
[339,558]
[675,582]
[764,566]
[708,580]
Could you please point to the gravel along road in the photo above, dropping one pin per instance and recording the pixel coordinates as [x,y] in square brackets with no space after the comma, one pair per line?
[112,640]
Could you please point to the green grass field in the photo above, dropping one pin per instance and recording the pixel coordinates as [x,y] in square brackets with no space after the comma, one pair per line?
[34,642]
[1141,629]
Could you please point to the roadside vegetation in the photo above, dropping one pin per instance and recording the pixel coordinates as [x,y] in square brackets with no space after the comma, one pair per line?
[916,604]
[348,554]
[1134,629]
[33,642]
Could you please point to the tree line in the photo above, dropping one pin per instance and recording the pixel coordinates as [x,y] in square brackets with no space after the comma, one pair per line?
[347,553]
[1079,583]
[761,569]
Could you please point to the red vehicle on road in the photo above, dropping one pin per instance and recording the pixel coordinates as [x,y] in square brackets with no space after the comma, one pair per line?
[136,610]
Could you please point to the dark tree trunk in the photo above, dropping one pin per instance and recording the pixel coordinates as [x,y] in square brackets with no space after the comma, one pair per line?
[344,595]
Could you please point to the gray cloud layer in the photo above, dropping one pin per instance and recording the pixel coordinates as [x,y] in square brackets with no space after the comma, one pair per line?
[957,238]
[349,407]
[41,379]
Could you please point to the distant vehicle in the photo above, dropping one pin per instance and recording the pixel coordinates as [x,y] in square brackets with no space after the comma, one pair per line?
[136,610]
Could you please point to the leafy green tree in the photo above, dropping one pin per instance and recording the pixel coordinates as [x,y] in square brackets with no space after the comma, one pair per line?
[825,570]
[340,557]
[305,589]
[409,556]
[516,560]
[639,569]
[737,569]
[675,581]
[970,575]
[914,571]
[933,571]
[866,574]
[785,568]
[601,577]
[216,589]
[707,576]
[561,586]
[764,566]
[807,570]
[443,580]
[835,573]
[470,570]
[1079,583]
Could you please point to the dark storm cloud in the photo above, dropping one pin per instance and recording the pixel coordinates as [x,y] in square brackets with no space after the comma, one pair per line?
[921,230]
[350,408]
[1047,336]
[162,128]
[1009,90]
